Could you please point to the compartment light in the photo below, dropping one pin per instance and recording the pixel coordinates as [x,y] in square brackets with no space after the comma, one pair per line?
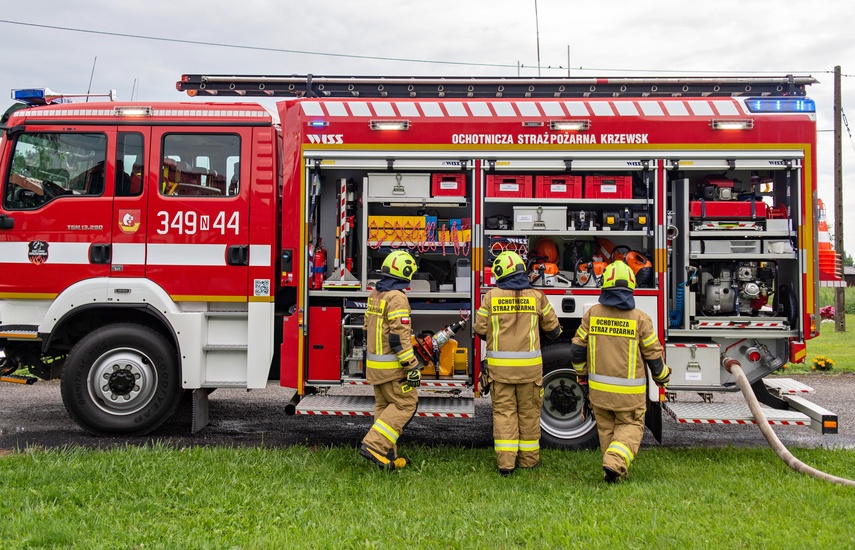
[732,124]
[577,125]
[132,111]
[389,124]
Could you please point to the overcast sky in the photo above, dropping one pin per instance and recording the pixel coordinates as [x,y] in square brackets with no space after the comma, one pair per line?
[462,37]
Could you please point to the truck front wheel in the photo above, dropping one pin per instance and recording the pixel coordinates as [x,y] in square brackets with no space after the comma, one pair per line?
[121,379]
[564,421]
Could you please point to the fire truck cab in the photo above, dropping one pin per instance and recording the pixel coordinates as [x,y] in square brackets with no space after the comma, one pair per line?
[160,247]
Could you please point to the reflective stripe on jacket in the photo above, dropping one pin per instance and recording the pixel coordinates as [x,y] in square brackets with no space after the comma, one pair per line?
[619,342]
[510,321]
[388,334]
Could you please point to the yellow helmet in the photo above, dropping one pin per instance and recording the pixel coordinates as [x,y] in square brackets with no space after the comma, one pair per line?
[507,263]
[618,275]
[400,265]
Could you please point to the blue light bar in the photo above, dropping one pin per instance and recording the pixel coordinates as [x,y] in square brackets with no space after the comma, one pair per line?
[38,96]
[781,105]
[318,123]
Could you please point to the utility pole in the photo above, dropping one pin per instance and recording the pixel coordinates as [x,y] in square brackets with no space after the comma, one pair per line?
[839,295]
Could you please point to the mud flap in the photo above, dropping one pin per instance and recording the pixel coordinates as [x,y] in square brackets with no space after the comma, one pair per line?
[200,409]
[653,419]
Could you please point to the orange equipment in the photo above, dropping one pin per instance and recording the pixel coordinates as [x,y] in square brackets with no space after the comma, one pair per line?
[547,248]
[427,346]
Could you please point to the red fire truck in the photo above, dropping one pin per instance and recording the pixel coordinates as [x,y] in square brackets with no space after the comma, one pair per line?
[153,248]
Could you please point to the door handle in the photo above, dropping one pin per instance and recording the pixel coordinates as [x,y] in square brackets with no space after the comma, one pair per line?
[238,255]
[100,254]
[7,222]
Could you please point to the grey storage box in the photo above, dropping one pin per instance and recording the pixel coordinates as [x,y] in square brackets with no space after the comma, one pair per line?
[397,185]
[540,218]
[776,246]
[463,268]
[693,365]
[732,246]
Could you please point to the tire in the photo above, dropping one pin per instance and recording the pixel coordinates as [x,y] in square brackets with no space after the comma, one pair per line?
[121,379]
[562,424]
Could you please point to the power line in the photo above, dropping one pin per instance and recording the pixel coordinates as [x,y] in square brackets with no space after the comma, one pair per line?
[384,58]
[245,47]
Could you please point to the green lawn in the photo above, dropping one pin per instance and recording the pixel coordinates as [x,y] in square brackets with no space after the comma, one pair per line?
[835,345]
[301,497]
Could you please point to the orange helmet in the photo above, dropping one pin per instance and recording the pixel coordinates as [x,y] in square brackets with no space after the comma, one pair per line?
[547,248]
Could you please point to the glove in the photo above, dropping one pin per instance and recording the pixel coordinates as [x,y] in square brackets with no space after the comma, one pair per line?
[583,384]
[664,377]
[414,379]
[484,380]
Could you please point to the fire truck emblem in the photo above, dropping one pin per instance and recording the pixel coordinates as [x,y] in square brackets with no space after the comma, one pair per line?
[37,252]
[129,221]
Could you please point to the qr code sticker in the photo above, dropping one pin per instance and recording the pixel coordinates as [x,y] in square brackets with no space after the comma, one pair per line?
[262,287]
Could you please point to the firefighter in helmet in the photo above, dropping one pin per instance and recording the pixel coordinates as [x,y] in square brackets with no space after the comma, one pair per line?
[510,319]
[392,367]
[609,350]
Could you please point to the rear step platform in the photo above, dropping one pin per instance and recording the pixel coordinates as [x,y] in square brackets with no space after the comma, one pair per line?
[363,405]
[731,413]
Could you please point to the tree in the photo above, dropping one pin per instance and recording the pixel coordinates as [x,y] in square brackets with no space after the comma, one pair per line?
[847,259]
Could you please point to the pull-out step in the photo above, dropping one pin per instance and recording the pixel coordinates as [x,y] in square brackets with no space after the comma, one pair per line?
[426,382]
[731,413]
[363,405]
[787,386]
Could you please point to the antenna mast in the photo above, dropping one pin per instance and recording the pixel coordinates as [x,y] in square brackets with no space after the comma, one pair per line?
[90,78]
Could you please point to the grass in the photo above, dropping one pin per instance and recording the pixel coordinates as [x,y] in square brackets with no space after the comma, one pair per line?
[163,497]
[836,345]
[827,298]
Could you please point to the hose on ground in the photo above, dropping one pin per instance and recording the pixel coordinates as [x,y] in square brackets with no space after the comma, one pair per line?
[733,366]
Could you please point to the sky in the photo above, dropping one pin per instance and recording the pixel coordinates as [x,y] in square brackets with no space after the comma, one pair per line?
[140,49]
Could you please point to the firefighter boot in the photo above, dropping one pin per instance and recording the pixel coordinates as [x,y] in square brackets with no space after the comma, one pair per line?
[385,462]
[610,476]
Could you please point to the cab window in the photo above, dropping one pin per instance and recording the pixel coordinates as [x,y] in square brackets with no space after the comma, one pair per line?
[129,164]
[200,165]
[47,166]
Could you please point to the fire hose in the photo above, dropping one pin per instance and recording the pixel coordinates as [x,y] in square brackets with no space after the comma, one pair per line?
[733,367]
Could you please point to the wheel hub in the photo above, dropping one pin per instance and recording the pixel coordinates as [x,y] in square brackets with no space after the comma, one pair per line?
[121,381]
[563,399]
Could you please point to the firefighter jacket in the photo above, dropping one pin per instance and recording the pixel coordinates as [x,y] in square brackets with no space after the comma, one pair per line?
[612,346]
[510,321]
[389,337]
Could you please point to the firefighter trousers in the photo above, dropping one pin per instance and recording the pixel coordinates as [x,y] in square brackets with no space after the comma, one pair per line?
[394,406]
[620,436]
[516,423]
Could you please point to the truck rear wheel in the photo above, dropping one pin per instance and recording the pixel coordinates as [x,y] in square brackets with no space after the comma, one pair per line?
[562,422]
[122,378]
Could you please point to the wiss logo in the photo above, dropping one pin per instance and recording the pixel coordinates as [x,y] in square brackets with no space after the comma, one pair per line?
[326,138]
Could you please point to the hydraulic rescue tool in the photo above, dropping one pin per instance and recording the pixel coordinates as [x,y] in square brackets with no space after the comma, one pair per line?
[427,346]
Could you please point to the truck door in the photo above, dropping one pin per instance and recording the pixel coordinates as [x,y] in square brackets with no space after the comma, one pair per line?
[55,211]
[130,215]
[198,217]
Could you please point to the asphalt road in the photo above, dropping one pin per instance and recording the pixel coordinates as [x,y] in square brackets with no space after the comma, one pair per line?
[34,416]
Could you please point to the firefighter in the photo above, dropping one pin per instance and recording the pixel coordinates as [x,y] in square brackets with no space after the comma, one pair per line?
[612,342]
[510,319]
[392,367]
